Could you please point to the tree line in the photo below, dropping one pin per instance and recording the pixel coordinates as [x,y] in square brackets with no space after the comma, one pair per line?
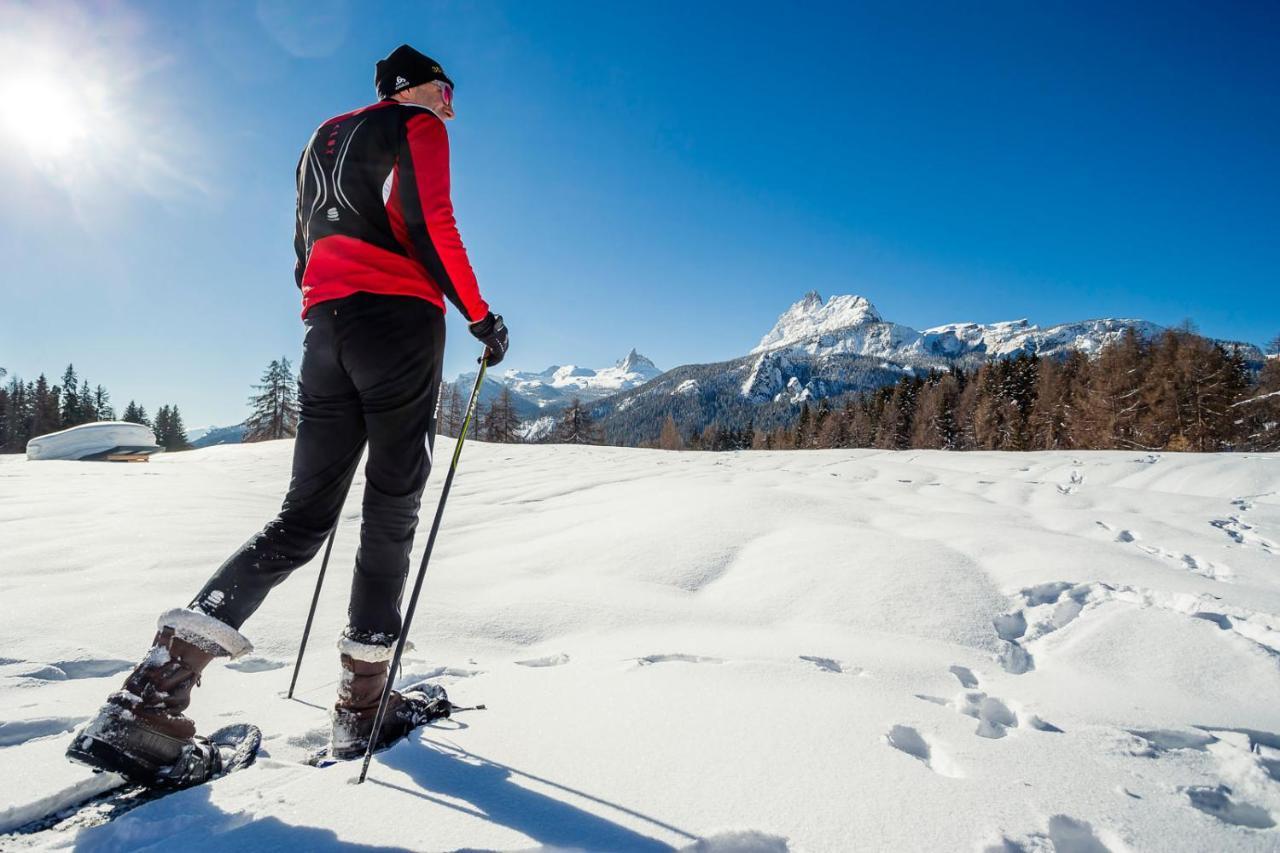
[497,421]
[35,408]
[1177,392]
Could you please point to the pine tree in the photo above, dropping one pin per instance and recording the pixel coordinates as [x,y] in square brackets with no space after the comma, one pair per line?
[46,414]
[1259,412]
[935,424]
[102,405]
[163,428]
[171,434]
[804,427]
[70,414]
[898,415]
[4,414]
[135,414]
[275,406]
[88,412]
[18,416]
[22,414]
[576,426]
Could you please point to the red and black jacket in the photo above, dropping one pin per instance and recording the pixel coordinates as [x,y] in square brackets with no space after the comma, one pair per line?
[374,212]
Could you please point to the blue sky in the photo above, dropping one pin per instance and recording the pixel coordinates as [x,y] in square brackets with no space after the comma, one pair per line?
[669,176]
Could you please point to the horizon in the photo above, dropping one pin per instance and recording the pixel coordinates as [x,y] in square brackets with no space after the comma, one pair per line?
[469,372]
[621,184]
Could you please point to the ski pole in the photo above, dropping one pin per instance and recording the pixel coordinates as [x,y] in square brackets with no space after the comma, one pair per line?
[311,614]
[422,568]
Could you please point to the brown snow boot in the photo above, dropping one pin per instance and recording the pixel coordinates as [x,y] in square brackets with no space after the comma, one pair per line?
[365,669]
[141,732]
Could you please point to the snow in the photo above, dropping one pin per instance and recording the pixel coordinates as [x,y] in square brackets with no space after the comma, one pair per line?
[88,439]
[810,318]
[1011,338]
[537,429]
[848,324]
[753,651]
[1257,399]
[559,383]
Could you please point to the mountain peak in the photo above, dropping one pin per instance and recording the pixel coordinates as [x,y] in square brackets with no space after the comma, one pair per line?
[634,362]
[810,318]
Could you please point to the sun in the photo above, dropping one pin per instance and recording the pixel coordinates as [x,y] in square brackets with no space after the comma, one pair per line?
[45,115]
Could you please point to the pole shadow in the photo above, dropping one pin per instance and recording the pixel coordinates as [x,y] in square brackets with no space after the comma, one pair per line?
[189,821]
[440,768]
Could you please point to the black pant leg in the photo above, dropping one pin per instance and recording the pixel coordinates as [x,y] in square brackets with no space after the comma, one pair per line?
[330,440]
[394,356]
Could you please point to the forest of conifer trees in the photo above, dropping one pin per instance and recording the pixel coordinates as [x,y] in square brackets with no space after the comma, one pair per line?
[1177,392]
[39,407]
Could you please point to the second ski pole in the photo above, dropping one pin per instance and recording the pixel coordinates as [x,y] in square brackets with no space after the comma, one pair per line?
[422,568]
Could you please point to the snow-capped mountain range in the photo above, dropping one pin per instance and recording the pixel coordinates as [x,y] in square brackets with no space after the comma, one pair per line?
[560,383]
[538,397]
[819,349]
[811,330]
[816,349]
[851,324]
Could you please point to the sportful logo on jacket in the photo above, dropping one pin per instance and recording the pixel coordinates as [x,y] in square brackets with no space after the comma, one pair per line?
[374,212]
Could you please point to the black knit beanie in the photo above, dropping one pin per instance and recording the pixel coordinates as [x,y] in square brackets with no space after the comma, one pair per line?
[405,68]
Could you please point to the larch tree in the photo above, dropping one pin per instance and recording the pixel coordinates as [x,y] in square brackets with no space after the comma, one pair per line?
[575,425]
[670,438]
[502,425]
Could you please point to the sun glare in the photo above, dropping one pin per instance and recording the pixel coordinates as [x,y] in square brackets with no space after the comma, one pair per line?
[42,113]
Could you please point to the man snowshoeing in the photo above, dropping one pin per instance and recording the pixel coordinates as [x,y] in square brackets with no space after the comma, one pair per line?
[378,253]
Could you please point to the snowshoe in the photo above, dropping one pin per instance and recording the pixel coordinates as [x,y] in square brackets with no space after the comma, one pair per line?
[406,710]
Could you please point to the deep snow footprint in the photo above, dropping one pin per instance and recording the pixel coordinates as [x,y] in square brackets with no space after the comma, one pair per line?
[1065,834]
[995,716]
[1060,602]
[548,660]
[16,732]
[256,664]
[65,670]
[1218,802]
[964,675]
[1243,534]
[681,658]
[907,739]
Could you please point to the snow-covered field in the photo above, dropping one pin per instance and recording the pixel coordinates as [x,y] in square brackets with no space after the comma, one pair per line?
[801,651]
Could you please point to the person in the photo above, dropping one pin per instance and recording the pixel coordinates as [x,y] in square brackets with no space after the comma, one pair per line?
[378,253]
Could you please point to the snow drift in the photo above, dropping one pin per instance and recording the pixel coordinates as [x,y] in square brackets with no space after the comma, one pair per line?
[95,441]
[796,651]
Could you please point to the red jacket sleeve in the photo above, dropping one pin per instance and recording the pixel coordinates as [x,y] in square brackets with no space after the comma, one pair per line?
[428,213]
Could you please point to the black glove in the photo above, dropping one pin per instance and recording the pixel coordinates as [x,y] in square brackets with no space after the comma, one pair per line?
[492,332]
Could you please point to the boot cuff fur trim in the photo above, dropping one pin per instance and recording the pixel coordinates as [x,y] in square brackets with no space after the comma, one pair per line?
[368,652]
[213,635]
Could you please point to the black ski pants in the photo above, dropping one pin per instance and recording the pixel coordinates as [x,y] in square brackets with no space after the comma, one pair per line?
[371,368]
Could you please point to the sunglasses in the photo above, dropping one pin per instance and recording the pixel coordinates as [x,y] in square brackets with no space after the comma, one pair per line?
[446,92]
